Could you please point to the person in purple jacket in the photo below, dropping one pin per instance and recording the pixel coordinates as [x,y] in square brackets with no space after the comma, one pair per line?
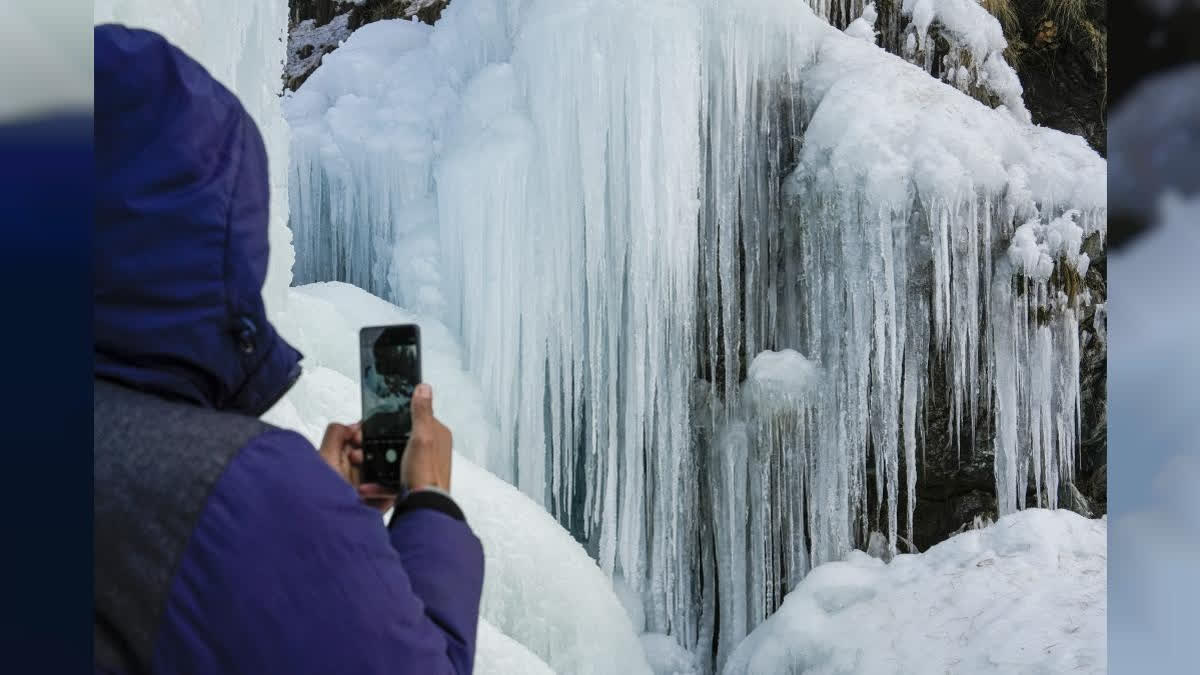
[223,544]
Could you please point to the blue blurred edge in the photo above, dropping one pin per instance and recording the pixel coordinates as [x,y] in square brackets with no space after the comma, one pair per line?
[46,203]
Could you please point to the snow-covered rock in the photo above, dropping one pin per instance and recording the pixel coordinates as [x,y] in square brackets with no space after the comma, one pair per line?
[308,43]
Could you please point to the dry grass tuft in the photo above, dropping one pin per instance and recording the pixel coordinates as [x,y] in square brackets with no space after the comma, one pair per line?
[1006,13]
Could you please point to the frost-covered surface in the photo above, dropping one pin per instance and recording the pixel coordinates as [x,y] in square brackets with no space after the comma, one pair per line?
[1024,595]
[308,43]
[1154,440]
[540,587]
[242,45]
[533,173]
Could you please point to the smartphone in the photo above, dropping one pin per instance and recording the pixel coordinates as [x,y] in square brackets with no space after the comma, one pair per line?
[391,369]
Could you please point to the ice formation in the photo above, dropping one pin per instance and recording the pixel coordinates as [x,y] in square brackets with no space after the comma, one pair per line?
[242,45]
[541,589]
[1024,595]
[617,215]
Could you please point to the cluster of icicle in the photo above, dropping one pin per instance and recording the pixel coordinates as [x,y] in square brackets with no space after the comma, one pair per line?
[629,211]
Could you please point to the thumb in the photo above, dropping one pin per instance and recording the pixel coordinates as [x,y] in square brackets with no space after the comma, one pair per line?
[422,404]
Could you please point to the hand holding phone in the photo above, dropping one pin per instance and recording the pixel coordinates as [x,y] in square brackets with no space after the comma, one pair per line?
[391,370]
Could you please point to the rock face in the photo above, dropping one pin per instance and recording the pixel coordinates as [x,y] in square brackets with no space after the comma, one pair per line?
[1059,49]
[427,11]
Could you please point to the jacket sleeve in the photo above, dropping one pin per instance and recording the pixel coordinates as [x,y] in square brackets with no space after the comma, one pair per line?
[287,571]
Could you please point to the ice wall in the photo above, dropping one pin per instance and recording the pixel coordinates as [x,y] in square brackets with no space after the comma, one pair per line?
[242,44]
[622,203]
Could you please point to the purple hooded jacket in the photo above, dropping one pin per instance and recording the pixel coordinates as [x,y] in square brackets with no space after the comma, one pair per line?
[285,570]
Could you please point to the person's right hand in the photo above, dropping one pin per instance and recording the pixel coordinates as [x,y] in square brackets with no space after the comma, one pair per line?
[426,460]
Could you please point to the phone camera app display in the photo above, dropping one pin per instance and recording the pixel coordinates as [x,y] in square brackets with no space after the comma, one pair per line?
[390,362]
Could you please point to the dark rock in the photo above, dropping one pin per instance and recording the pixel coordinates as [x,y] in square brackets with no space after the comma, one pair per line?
[1060,53]
[426,11]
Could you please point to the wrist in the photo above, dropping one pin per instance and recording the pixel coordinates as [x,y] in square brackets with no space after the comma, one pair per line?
[426,498]
[430,488]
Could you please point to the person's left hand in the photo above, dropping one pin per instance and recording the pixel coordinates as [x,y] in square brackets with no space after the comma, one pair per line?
[341,448]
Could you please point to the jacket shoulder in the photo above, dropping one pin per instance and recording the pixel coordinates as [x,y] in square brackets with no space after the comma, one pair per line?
[155,463]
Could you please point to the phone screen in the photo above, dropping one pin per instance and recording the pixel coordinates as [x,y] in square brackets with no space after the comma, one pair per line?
[391,369]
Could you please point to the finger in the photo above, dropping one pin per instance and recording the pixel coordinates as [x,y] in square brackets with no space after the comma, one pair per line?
[422,404]
[331,443]
[356,457]
[332,433]
[356,434]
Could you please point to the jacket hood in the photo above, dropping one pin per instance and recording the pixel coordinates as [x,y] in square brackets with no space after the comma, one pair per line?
[180,243]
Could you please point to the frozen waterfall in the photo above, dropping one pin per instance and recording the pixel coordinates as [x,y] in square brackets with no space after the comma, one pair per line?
[618,205]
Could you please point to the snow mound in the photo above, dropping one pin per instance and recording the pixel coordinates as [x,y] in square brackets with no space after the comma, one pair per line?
[540,589]
[1024,595]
